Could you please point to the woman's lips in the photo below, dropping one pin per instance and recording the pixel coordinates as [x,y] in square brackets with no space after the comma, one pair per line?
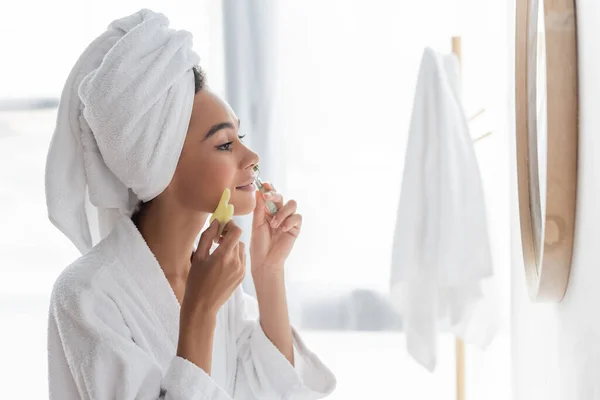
[246,188]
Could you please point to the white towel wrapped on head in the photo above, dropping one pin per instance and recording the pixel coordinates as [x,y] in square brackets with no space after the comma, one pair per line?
[122,120]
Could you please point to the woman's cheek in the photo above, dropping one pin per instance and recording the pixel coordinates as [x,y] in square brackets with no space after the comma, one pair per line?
[221,178]
[224,176]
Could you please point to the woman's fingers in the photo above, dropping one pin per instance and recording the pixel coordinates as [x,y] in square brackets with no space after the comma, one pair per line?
[242,262]
[269,187]
[292,224]
[259,209]
[206,240]
[276,198]
[273,196]
[283,213]
[231,238]
[242,253]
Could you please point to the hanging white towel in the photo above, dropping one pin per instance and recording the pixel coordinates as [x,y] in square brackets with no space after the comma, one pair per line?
[441,253]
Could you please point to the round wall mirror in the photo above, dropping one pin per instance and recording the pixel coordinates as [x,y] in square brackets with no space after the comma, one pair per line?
[547,131]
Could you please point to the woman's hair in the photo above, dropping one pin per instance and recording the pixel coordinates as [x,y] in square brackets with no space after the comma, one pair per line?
[199,83]
[199,78]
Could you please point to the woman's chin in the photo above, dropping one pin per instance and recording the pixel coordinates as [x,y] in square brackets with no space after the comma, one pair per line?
[243,202]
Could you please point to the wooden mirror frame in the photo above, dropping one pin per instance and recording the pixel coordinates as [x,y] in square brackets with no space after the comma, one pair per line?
[548,259]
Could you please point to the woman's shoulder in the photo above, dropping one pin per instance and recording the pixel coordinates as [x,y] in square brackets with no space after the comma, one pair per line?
[89,275]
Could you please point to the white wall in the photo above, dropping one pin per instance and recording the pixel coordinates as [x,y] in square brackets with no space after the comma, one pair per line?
[40,47]
[556,347]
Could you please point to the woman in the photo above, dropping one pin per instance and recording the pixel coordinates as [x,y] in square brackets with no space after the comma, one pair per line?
[141,154]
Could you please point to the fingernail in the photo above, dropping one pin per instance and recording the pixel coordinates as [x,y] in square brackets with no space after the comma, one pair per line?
[268,195]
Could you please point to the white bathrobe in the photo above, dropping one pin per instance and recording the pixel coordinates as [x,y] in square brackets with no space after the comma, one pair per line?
[113,332]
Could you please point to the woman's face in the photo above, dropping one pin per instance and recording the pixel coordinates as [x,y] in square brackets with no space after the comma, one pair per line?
[214,158]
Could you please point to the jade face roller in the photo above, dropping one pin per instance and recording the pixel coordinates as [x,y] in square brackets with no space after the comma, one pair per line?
[259,185]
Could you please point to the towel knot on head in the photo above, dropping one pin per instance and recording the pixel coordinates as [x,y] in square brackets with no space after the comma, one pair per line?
[122,121]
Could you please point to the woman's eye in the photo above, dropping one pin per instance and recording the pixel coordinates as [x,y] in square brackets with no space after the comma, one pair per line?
[225,147]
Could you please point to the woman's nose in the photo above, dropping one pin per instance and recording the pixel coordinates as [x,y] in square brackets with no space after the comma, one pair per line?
[252,159]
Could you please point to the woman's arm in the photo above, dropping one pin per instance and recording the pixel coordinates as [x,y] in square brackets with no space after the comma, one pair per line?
[264,371]
[275,363]
[273,310]
[196,337]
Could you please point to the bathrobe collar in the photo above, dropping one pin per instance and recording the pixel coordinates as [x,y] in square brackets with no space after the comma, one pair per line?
[137,258]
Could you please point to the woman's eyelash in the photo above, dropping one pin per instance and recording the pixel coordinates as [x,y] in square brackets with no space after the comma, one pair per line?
[227,146]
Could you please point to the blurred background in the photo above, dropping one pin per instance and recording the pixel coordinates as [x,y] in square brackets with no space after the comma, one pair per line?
[327,87]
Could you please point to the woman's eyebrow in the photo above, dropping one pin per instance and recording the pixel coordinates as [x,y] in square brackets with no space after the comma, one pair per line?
[218,127]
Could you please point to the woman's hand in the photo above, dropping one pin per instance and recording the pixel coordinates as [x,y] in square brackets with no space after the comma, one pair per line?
[210,283]
[273,237]
[214,277]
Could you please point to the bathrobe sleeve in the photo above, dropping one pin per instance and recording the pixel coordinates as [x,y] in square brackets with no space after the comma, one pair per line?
[92,356]
[265,371]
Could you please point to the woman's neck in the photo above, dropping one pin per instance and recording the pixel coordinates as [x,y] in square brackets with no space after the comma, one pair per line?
[170,233]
